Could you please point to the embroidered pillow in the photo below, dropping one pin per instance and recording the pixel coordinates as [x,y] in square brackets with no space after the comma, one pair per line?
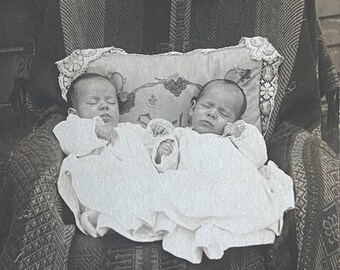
[162,86]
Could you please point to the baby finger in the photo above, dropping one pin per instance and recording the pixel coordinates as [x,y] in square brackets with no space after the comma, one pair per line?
[155,128]
[169,148]
[167,152]
[227,131]
[164,131]
[169,145]
[166,148]
[159,130]
[163,151]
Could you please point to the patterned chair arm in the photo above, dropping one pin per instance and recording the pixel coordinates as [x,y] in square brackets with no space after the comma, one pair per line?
[315,170]
[37,237]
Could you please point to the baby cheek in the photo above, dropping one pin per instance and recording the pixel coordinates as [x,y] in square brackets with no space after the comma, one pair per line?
[92,112]
[222,125]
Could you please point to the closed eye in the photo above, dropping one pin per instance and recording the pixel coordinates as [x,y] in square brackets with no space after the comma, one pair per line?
[206,105]
[224,114]
[92,102]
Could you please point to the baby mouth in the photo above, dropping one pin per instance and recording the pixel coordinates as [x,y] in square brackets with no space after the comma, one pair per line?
[207,123]
[105,117]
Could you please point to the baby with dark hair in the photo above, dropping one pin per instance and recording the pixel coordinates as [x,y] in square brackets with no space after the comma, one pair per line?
[217,109]
[220,103]
[92,133]
[93,95]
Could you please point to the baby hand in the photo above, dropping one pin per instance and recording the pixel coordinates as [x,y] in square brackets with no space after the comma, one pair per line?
[232,130]
[106,132]
[165,148]
[158,129]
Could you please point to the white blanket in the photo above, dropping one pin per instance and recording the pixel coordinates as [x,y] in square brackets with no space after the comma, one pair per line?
[220,196]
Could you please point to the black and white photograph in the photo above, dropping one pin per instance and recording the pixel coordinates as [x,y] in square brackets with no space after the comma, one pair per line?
[169,134]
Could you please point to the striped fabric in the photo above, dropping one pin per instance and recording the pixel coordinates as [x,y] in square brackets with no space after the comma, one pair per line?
[124,22]
[289,21]
[102,23]
[180,15]
[83,23]
[223,23]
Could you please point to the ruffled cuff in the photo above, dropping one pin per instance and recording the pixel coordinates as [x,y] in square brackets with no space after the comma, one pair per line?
[161,122]
[251,143]
[242,126]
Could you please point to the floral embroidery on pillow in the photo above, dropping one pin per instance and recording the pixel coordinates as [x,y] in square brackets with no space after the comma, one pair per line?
[144,119]
[243,74]
[152,102]
[126,101]
[118,80]
[174,83]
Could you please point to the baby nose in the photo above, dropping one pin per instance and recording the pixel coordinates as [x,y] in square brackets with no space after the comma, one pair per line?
[103,105]
[212,114]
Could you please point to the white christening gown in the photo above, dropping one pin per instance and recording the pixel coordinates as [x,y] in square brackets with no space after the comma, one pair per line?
[213,193]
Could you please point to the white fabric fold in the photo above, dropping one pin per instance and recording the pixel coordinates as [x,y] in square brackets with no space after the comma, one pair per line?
[217,198]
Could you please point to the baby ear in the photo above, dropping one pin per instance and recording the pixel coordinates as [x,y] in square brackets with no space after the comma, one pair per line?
[192,106]
[72,111]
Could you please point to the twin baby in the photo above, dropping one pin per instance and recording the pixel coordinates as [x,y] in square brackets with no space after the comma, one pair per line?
[214,190]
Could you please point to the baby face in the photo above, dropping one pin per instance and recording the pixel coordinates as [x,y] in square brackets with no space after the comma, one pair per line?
[97,97]
[216,107]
